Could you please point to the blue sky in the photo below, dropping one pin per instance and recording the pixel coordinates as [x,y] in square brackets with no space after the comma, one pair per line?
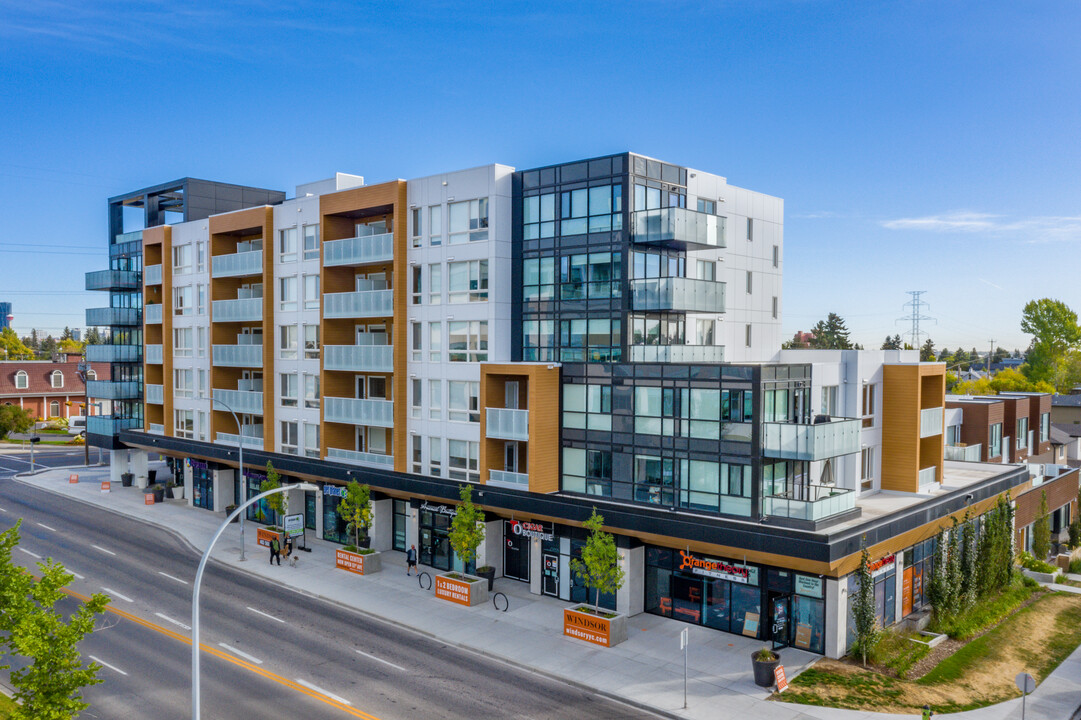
[918,145]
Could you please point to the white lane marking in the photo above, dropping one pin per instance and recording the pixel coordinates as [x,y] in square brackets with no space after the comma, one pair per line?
[171,577]
[385,662]
[246,656]
[31,554]
[76,574]
[166,618]
[114,593]
[260,612]
[46,527]
[101,662]
[3,510]
[316,688]
[99,547]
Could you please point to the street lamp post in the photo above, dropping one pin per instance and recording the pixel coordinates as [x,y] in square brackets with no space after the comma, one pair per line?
[240,469]
[83,367]
[195,714]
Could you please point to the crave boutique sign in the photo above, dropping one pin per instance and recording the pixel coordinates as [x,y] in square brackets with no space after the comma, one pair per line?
[535,531]
[719,569]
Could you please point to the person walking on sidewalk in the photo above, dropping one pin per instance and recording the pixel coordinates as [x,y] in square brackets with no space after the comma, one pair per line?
[275,550]
[411,559]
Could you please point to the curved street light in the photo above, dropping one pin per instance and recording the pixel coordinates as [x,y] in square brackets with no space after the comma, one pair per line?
[195,690]
[240,469]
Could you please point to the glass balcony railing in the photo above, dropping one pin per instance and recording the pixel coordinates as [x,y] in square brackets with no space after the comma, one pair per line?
[237,264]
[98,317]
[359,250]
[112,353]
[238,355]
[157,429]
[152,275]
[154,314]
[928,476]
[931,421]
[250,441]
[515,480]
[677,353]
[240,401]
[359,358]
[353,411]
[678,227]
[154,354]
[818,503]
[677,294]
[133,236]
[109,425]
[799,441]
[239,310]
[964,453]
[112,280]
[506,424]
[360,304]
[365,459]
[114,390]
[155,394]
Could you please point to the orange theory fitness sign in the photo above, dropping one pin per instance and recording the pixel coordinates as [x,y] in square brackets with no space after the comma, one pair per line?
[713,568]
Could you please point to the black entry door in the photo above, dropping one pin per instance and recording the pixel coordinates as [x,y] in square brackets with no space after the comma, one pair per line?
[551,575]
[515,556]
[780,614]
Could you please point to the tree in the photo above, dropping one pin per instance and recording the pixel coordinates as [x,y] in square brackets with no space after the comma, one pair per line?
[1055,332]
[13,347]
[1041,530]
[48,345]
[73,347]
[831,334]
[892,343]
[93,336]
[969,578]
[927,351]
[467,527]
[48,688]
[356,507]
[14,419]
[864,612]
[953,571]
[599,567]
[937,590]
[276,502]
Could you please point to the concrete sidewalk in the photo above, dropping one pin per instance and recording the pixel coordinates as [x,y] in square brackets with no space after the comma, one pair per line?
[646,670]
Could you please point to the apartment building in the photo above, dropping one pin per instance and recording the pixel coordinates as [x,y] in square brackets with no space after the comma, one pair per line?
[1009,427]
[601,333]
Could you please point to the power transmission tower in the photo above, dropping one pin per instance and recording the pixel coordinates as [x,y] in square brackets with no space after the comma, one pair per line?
[916,306]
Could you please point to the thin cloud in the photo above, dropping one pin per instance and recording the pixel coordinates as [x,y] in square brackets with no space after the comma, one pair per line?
[819,215]
[997,287]
[949,222]
[1035,229]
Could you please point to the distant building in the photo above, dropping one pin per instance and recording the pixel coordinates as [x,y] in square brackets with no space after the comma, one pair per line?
[5,315]
[45,387]
[77,334]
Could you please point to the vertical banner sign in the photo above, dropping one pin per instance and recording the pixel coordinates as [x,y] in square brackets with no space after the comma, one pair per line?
[782,681]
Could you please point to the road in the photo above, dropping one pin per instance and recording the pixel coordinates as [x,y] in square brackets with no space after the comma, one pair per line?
[267,650]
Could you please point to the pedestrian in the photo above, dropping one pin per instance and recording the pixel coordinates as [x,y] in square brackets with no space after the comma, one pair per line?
[411,559]
[927,712]
[275,550]
[289,552]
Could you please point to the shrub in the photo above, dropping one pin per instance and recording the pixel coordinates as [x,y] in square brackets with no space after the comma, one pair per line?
[1029,562]
[1075,566]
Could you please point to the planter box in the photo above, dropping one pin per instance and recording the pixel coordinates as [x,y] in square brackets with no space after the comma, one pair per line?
[461,591]
[932,639]
[593,628]
[263,536]
[1041,576]
[358,563]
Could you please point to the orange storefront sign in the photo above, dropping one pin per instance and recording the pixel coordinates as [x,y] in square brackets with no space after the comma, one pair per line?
[906,593]
[456,591]
[591,628]
[353,562]
[148,499]
[264,536]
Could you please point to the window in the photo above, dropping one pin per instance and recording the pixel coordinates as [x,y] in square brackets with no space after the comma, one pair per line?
[200,341]
[654,410]
[595,275]
[467,281]
[750,282]
[539,279]
[1022,433]
[311,292]
[54,408]
[417,397]
[201,424]
[287,244]
[707,206]
[1045,427]
[747,335]
[200,299]
[775,307]
[435,399]
[181,259]
[200,388]
[182,300]
[468,221]
[707,270]
[776,256]
[416,341]
[184,424]
[414,227]
[750,228]
[587,407]
[595,209]
[311,391]
[56,380]
[288,294]
[592,340]
[182,385]
[587,471]
[538,340]
[200,257]
[311,440]
[311,242]
[311,342]
[468,341]
[435,341]
[289,438]
[418,456]
[417,284]
[182,342]
[538,216]
[22,380]
[868,405]
[288,334]
[464,401]
[867,468]
[995,444]
[463,460]
[706,331]
[289,389]
[829,400]
[435,225]
[435,456]
[435,284]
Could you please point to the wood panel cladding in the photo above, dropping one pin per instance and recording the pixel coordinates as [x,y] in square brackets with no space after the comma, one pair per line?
[160,242]
[539,392]
[906,390]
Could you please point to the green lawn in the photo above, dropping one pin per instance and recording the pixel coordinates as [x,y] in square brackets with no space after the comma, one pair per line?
[6,705]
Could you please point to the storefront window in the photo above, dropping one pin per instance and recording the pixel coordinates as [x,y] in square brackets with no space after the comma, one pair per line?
[260,512]
[435,538]
[401,522]
[202,486]
[809,613]
[335,527]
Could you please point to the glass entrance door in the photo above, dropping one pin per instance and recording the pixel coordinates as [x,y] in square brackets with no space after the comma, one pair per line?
[515,555]
[686,598]
[779,621]
[550,586]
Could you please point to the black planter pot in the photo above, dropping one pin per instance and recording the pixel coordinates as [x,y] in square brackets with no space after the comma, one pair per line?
[159,493]
[763,669]
[366,542]
[169,492]
[488,574]
[126,479]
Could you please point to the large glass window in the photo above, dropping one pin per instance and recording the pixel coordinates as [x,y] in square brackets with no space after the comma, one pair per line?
[311,242]
[462,457]
[995,444]
[464,401]
[587,406]
[592,340]
[539,279]
[595,275]
[596,209]
[467,340]
[587,471]
[538,216]
[468,221]
[467,281]
[538,340]
[288,244]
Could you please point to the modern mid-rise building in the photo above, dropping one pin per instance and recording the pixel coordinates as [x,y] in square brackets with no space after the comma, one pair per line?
[596,334]
[5,315]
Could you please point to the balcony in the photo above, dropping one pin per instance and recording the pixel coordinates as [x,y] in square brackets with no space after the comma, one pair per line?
[513,480]
[798,441]
[98,317]
[240,401]
[112,353]
[677,353]
[506,424]
[364,459]
[133,236]
[964,453]
[360,304]
[820,502]
[359,250]
[153,314]
[353,411]
[155,394]
[679,228]
[250,441]
[928,476]
[109,425]
[677,294]
[239,310]
[359,358]
[241,355]
[154,355]
[152,275]
[114,390]
[112,280]
[156,429]
[237,264]
[931,421]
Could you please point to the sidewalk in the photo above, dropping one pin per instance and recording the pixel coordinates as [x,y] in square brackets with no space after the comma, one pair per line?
[646,670]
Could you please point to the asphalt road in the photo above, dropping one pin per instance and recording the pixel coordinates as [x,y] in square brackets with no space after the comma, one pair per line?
[268,651]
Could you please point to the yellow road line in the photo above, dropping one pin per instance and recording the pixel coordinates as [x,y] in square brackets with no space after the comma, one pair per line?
[231,658]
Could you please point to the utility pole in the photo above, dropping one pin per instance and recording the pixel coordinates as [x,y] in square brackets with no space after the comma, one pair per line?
[992,341]
[83,367]
[917,306]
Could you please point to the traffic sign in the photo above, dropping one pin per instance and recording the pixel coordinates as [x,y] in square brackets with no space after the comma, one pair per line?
[1025,683]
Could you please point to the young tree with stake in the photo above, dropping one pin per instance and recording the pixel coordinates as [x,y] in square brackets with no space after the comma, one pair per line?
[599,567]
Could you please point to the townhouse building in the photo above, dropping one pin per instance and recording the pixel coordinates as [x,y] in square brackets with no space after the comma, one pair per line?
[49,389]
